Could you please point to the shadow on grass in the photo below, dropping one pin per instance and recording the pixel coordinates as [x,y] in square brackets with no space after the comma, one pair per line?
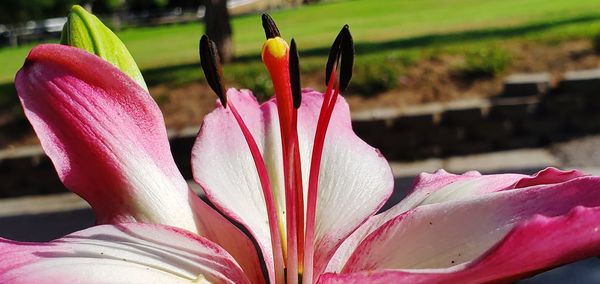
[8,95]
[183,73]
[172,73]
[459,37]
[13,125]
[187,72]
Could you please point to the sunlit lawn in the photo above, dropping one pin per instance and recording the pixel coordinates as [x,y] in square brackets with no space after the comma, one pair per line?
[379,27]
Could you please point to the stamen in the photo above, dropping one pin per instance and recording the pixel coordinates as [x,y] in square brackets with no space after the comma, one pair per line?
[341,57]
[267,193]
[294,68]
[295,75]
[210,63]
[271,30]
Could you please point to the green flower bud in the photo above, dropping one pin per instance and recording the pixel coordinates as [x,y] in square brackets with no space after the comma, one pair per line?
[84,30]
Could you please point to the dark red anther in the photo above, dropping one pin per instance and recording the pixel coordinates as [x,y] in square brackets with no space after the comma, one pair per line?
[295,75]
[341,56]
[211,65]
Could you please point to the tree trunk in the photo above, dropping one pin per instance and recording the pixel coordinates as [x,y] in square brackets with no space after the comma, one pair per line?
[116,21]
[218,27]
[13,39]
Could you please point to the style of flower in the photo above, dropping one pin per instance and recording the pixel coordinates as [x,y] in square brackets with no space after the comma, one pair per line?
[302,189]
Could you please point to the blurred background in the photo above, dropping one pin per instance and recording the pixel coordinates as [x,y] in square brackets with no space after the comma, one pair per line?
[497,85]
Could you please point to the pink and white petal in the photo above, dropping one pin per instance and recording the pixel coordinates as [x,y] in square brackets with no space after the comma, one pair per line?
[548,176]
[121,253]
[452,236]
[224,168]
[442,187]
[355,180]
[424,185]
[105,136]
[427,188]
[549,242]
[107,140]
[352,173]
[218,229]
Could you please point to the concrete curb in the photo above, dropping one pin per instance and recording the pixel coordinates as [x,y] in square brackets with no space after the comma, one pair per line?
[404,172]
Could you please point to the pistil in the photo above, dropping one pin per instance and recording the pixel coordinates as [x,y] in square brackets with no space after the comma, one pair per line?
[276,56]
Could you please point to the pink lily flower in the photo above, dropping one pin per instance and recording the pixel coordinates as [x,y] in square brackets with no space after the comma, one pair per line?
[295,191]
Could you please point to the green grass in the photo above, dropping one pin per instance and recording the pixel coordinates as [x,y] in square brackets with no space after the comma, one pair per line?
[381,29]
[485,62]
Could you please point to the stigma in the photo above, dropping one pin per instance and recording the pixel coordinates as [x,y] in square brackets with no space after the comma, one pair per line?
[275,49]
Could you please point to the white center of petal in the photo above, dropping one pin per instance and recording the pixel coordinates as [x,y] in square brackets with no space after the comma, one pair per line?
[153,205]
[201,280]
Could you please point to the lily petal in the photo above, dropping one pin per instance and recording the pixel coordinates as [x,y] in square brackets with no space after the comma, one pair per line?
[122,253]
[442,186]
[353,174]
[105,136]
[507,262]
[107,140]
[355,180]
[212,225]
[497,236]
[223,166]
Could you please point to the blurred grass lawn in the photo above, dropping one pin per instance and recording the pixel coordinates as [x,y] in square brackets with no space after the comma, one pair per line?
[382,29]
